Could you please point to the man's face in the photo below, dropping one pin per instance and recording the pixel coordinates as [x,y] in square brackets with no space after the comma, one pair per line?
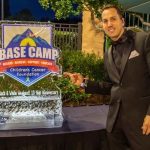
[113,24]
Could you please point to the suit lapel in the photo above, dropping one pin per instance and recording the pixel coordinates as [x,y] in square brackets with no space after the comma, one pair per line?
[126,52]
[111,67]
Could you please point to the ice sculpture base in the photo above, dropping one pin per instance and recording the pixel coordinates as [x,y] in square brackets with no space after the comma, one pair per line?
[30,112]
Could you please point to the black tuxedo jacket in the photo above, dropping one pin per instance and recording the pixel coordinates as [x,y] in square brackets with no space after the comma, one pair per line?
[130,89]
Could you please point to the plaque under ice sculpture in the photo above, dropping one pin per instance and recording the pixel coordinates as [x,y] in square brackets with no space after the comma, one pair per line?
[28,63]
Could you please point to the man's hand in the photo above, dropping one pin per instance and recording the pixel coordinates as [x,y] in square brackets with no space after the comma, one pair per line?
[146,125]
[76,78]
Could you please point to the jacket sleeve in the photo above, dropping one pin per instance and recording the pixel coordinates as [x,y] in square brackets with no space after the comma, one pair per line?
[102,87]
[147,53]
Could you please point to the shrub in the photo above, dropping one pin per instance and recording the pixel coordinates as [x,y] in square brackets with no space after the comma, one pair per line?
[70,92]
[86,64]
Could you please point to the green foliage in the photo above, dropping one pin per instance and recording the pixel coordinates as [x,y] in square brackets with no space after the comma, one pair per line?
[64,8]
[107,43]
[86,64]
[70,92]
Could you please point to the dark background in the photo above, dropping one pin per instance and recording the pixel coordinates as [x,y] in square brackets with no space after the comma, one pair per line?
[30,10]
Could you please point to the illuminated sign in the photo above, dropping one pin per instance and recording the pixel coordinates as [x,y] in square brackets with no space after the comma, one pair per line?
[27,54]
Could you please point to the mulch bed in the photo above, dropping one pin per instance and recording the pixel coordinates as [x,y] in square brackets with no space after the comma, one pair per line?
[94,99]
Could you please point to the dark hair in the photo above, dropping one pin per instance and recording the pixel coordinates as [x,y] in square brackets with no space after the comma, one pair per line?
[119,11]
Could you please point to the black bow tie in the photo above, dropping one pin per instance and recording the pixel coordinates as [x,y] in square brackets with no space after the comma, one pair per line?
[121,40]
[128,34]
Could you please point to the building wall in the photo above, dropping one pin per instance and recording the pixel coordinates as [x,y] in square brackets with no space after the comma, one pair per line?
[92,38]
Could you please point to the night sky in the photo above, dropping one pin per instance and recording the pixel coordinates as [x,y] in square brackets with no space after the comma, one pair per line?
[33,5]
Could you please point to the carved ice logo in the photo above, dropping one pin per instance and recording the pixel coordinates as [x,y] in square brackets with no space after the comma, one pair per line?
[28,58]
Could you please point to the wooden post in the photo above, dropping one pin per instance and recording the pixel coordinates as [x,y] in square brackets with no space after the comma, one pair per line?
[79,36]
[92,39]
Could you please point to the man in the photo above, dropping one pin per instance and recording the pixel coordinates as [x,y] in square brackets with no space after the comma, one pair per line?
[128,65]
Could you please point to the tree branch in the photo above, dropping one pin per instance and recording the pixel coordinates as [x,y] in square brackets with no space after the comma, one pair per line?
[142,20]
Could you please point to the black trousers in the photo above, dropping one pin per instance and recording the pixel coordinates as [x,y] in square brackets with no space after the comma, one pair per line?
[127,136]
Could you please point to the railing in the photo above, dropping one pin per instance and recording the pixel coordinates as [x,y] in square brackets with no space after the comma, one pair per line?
[135,20]
[66,36]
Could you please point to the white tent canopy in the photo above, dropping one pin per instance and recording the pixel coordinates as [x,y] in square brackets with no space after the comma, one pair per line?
[141,6]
